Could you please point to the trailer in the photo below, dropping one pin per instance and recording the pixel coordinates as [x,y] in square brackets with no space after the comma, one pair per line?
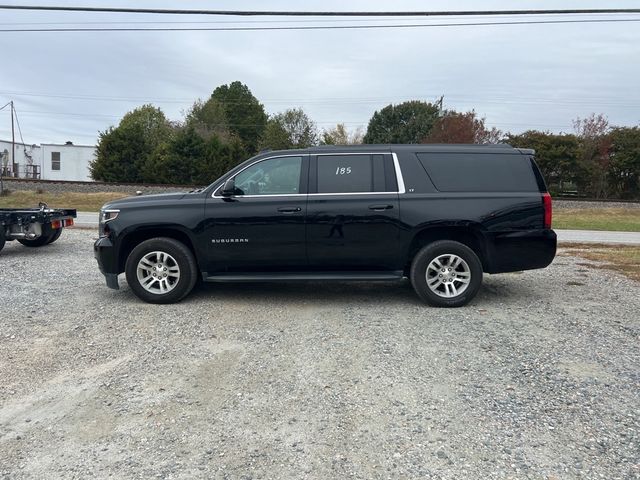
[34,227]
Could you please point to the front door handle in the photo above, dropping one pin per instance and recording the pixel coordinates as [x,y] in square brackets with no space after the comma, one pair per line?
[380,208]
[289,209]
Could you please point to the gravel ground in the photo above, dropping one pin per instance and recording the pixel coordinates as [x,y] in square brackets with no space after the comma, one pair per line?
[538,378]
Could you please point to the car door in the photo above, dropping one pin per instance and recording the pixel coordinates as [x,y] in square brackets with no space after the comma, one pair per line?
[353,212]
[262,226]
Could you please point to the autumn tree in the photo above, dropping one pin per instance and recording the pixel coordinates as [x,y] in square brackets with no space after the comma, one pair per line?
[290,129]
[593,154]
[208,118]
[454,127]
[339,135]
[408,122]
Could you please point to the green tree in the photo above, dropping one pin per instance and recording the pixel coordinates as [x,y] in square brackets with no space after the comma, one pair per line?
[556,155]
[176,161]
[624,171]
[290,129]
[245,115]
[408,122]
[220,156]
[188,159]
[123,151]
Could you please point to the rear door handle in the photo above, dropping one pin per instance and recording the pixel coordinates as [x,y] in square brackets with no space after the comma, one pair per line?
[289,209]
[379,208]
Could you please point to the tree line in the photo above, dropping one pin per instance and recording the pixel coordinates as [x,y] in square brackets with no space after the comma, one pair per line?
[597,160]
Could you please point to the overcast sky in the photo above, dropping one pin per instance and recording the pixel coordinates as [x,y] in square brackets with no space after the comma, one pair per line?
[70,86]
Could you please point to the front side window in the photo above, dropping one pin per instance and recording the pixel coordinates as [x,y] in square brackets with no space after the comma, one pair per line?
[275,176]
[55,160]
[345,173]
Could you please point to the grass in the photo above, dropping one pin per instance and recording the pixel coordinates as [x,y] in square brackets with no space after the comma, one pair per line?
[613,219]
[624,259]
[86,202]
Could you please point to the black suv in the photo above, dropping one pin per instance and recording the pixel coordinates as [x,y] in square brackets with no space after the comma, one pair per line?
[438,214]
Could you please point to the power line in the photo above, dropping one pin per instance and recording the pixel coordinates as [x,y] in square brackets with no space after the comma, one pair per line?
[513,99]
[218,22]
[314,27]
[274,13]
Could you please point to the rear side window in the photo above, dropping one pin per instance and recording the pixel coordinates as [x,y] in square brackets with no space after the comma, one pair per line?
[460,172]
[345,173]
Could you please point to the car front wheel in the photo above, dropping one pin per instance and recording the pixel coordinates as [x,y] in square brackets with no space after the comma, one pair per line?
[161,270]
[446,274]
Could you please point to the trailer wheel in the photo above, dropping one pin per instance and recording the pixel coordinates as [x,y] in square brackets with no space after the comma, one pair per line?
[47,234]
[55,236]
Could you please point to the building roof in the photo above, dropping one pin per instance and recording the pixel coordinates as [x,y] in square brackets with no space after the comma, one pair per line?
[66,145]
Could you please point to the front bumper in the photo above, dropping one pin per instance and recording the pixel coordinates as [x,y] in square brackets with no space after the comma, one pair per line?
[105,254]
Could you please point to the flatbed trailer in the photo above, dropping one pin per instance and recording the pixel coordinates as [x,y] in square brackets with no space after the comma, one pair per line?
[34,227]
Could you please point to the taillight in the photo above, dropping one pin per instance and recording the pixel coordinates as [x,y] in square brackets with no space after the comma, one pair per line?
[548,211]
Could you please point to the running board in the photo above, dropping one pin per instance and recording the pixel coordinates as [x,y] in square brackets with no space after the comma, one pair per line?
[298,276]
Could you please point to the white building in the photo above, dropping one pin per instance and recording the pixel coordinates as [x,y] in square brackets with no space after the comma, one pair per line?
[47,161]
[26,163]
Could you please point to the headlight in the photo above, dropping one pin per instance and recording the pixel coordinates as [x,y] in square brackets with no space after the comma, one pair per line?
[108,215]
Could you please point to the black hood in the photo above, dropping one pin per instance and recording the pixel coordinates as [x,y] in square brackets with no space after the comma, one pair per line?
[150,199]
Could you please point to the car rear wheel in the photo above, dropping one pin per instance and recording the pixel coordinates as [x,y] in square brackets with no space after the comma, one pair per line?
[446,274]
[161,270]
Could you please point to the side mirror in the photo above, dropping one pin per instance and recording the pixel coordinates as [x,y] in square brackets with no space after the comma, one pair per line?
[229,188]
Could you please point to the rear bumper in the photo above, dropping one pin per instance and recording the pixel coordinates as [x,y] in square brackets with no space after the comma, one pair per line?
[105,254]
[521,250]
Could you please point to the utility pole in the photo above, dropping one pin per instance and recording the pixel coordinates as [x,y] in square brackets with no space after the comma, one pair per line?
[440,102]
[13,143]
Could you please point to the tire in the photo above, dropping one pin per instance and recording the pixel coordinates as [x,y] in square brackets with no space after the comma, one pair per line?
[45,238]
[177,273]
[3,240]
[55,236]
[449,288]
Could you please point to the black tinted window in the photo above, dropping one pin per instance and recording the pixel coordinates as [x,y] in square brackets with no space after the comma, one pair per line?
[345,173]
[460,172]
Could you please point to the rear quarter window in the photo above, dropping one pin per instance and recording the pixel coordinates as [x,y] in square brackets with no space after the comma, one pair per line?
[478,172]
